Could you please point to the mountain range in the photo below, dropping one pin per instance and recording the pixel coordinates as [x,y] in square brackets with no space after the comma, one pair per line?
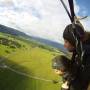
[12,31]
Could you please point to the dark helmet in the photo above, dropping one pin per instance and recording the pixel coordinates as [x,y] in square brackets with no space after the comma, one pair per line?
[68,35]
[60,62]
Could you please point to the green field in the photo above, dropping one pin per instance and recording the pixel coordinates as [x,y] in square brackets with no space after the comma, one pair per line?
[29,66]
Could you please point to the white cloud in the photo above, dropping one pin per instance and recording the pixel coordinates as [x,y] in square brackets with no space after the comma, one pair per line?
[43,18]
[86,23]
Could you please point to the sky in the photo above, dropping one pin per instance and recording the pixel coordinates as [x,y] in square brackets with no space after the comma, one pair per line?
[84,7]
[41,18]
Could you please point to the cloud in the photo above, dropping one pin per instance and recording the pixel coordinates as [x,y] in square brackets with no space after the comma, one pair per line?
[42,18]
[86,23]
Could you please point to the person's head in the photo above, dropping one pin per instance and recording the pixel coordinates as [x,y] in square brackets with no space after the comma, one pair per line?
[60,64]
[69,39]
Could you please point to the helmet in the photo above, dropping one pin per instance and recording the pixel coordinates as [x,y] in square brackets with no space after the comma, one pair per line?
[60,62]
[68,35]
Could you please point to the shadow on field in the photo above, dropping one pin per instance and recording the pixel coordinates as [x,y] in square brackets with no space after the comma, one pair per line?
[10,80]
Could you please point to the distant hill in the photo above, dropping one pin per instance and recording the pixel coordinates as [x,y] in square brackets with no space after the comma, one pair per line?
[8,30]
[51,43]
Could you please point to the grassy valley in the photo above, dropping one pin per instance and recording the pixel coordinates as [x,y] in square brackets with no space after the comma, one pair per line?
[29,64]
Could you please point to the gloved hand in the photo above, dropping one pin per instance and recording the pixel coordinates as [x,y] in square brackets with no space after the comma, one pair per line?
[65,86]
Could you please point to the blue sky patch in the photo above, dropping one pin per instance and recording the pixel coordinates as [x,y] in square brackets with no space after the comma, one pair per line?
[84,7]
